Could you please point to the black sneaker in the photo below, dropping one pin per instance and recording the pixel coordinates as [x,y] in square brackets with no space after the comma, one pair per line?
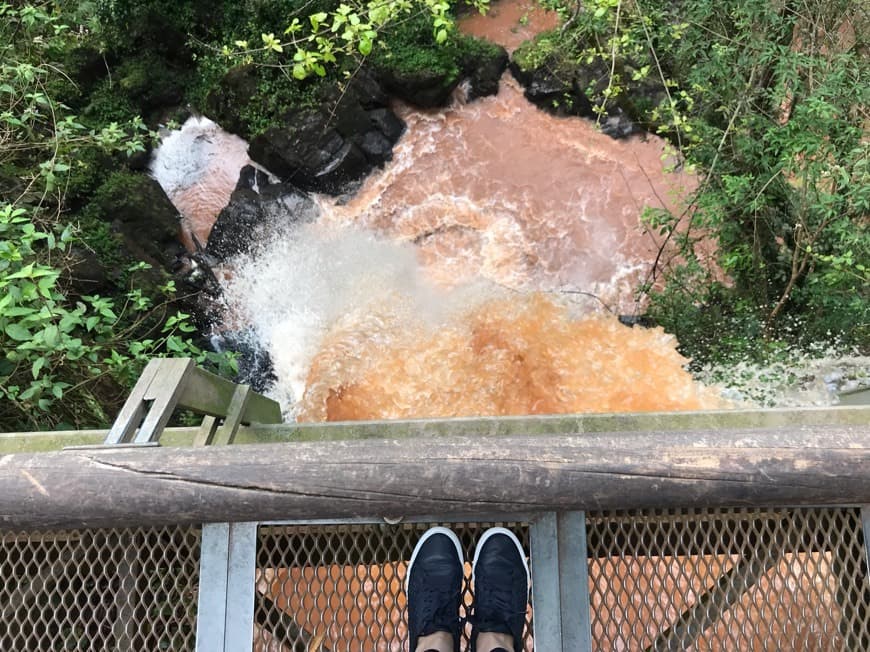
[501,586]
[434,586]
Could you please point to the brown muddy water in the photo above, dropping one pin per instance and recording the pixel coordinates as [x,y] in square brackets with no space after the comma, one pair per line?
[479,272]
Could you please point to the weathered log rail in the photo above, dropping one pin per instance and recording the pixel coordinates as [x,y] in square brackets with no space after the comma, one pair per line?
[807,465]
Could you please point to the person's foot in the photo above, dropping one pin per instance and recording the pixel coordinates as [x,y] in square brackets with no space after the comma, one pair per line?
[500,577]
[434,586]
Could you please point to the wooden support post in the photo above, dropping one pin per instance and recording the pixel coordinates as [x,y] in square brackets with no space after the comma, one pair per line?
[710,607]
[167,383]
[128,419]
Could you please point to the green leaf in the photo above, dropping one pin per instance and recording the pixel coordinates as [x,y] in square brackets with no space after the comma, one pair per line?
[50,335]
[46,285]
[365,47]
[18,332]
[38,364]
[299,71]
[19,311]
[316,19]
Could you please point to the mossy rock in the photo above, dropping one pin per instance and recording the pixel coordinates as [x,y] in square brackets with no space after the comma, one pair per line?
[250,99]
[152,82]
[558,77]
[412,66]
[140,214]
[483,62]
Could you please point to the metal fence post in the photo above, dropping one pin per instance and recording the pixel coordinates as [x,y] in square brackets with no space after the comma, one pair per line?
[574,582]
[225,618]
[865,522]
[560,582]
[543,540]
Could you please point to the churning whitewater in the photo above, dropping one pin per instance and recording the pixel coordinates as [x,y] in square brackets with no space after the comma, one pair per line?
[478,273]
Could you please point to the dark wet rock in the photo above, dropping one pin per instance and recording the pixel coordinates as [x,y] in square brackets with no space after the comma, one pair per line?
[256,206]
[255,364]
[425,88]
[362,89]
[563,89]
[252,178]
[140,161]
[484,71]
[388,123]
[139,211]
[642,321]
[84,273]
[227,101]
[330,138]
[325,151]
[568,88]
[617,124]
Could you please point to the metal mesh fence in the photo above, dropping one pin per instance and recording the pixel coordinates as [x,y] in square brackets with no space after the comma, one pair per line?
[718,579]
[729,580]
[133,589]
[341,587]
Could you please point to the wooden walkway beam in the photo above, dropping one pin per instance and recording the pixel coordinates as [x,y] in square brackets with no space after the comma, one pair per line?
[808,465]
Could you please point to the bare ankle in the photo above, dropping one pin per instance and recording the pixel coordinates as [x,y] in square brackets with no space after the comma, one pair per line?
[439,641]
[487,641]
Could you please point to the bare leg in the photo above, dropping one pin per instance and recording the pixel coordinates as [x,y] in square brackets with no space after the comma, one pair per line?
[487,641]
[439,642]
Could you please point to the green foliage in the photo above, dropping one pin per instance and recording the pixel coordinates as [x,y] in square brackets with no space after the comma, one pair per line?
[323,46]
[410,47]
[66,357]
[315,41]
[535,52]
[768,102]
[68,361]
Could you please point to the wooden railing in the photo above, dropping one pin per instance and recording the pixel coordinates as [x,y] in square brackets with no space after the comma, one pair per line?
[424,467]
[548,472]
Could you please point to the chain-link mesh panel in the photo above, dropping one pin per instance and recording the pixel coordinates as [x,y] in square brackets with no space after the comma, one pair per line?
[342,587]
[99,589]
[729,580]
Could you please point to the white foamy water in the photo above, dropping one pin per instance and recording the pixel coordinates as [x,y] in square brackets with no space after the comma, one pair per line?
[494,202]
[800,378]
[198,168]
[314,280]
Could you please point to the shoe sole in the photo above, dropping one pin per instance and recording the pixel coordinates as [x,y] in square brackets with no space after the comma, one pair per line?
[513,537]
[429,533]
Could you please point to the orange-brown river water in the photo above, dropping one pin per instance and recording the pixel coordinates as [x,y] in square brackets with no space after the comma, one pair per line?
[479,272]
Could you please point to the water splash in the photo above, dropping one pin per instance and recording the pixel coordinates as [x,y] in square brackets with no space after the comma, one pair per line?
[304,282]
[198,167]
[811,375]
[500,190]
[356,330]
[502,357]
